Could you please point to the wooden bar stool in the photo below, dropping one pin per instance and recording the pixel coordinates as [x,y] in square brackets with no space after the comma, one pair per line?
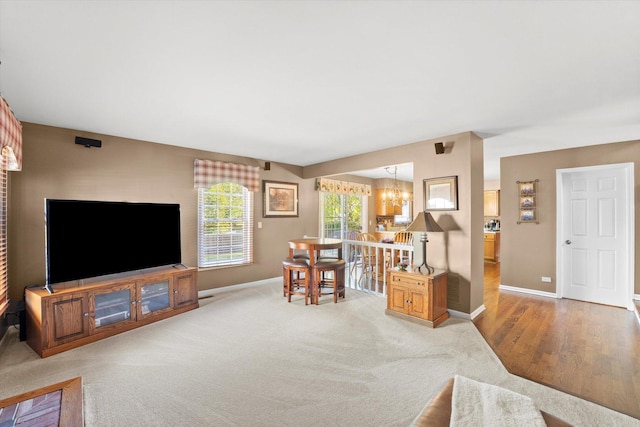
[322,282]
[295,283]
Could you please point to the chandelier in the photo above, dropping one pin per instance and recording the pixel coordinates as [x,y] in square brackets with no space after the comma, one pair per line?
[394,194]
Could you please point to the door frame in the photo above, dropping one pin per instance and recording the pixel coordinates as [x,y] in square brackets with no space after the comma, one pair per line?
[561,174]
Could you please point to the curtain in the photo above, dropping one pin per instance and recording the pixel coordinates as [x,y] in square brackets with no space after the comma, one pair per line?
[10,138]
[327,185]
[209,172]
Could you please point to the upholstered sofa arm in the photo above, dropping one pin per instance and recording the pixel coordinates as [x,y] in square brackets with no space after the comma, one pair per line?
[437,413]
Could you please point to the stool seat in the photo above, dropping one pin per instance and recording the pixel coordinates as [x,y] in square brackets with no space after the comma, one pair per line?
[328,259]
[335,283]
[293,282]
[296,262]
[329,263]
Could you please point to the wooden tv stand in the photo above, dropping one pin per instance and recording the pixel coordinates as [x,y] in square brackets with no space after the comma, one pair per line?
[77,314]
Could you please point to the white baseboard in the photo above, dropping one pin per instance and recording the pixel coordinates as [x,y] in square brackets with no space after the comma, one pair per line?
[210,292]
[467,316]
[477,312]
[528,291]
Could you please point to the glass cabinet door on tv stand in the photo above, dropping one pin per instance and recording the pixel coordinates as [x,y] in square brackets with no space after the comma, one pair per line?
[112,306]
[153,296]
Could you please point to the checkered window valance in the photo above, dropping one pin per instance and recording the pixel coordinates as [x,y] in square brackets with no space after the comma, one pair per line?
[10,138]
[209,172]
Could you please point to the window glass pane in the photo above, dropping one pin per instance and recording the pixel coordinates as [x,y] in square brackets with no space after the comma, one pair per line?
[340,214]
[225,219]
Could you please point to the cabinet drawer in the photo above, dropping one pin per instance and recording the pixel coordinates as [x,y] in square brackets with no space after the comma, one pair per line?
[409,282]
[489,236]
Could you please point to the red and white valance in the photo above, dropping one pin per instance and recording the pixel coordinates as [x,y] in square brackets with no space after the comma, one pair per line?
[327,185]
[209,172]
[10,138]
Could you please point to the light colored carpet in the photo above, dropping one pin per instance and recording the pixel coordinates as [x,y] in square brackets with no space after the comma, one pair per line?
[248,358]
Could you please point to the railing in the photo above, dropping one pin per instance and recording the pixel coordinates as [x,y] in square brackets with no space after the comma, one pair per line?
[368,263]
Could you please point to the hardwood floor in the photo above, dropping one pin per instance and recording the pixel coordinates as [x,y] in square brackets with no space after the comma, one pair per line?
[588,350]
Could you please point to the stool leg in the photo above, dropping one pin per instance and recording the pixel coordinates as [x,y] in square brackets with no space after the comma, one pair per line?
[289,284]
[339,285]
[285,281]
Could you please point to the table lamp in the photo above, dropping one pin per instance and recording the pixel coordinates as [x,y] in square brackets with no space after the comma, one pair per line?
[424,223]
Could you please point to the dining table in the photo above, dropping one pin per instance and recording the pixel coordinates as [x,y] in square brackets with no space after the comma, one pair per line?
[314,246]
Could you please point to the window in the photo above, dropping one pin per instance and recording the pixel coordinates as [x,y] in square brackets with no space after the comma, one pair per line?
[341,213]
[225,225]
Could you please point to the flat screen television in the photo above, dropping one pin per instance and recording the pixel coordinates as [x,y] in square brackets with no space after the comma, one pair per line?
[87,238]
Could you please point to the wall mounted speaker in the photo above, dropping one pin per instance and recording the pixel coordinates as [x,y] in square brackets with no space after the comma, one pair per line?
[439,147]
[88,142]
[267,166]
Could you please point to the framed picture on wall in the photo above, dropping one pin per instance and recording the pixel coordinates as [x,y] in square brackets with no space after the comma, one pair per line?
[527,202]
[527,215]
[527,187]
[280,199]
[441,194]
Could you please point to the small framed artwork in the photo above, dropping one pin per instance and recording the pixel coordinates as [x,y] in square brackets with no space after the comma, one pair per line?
[527,187]
[280,199]
[527,202]
[441,194]
[527,215]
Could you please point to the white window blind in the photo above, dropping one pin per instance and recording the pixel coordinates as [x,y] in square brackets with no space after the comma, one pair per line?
[225,225]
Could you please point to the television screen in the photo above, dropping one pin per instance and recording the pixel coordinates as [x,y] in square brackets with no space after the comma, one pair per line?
[94,238]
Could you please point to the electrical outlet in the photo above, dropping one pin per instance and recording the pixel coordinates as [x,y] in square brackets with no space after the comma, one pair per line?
[259,224]
[546,279]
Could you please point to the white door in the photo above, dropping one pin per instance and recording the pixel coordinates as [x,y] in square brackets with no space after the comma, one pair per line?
[595,232]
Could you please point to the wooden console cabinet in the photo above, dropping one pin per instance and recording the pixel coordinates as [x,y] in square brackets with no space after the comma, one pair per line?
[418,297]
[76,314]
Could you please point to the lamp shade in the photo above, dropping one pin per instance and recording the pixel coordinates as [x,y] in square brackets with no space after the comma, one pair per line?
[424,222]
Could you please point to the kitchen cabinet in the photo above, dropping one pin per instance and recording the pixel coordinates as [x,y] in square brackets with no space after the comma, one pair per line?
[418,297]
[492,247]
[492,203]
[77,314]
[384,205]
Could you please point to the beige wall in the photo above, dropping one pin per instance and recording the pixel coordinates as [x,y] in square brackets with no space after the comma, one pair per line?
[460,249]
[130,170]
[528,251]
[492,184]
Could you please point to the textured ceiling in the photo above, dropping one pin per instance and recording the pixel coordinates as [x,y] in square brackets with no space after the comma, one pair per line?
[303,82]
